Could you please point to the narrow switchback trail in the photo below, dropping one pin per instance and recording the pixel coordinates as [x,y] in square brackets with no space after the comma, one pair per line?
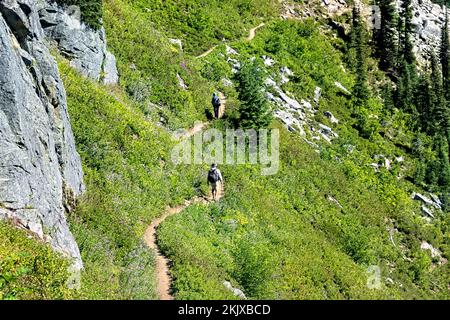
[163,277]
[223,103]
[252,32]
[250,37]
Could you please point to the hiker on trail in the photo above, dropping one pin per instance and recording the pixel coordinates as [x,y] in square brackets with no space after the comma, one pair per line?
[216,104]
[214,176]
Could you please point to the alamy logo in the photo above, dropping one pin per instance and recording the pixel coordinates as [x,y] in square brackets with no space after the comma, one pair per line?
[74,280]
[374,20]
[233,147]
[74,12]
[374,277]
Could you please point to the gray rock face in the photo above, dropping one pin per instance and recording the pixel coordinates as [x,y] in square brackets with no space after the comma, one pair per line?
[40,170]
[428,20]
[84,47]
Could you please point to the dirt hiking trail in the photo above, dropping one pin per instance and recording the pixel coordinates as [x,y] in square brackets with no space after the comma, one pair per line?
[252,32]
[250,37]
[163,277]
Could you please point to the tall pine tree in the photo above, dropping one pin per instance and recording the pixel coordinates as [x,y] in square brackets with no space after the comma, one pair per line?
[404,99]
[358,50]
[443,163]
[445,60]
[386,37]
[405,32]
[438,103]
[254,109]
[423,102]
[445,56]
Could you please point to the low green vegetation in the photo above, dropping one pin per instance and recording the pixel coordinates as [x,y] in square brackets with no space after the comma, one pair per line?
[130,180]
[306,233]
[201,24]
[29,269]
[151,68]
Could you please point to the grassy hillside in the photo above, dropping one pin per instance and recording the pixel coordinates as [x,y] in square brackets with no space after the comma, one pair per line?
[130,180]
[280,237]
[201,24]
[30,269]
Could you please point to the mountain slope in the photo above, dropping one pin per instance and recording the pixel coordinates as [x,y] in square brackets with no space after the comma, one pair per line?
[341,219]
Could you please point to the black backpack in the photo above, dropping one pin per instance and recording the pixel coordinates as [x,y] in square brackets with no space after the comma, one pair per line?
[213,176]
[216,101]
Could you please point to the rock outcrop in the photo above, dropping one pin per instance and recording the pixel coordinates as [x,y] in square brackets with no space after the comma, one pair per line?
[428,20]
[84,47]
[40,170]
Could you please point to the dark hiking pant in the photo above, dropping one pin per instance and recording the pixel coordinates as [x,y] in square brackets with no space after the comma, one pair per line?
[216,112]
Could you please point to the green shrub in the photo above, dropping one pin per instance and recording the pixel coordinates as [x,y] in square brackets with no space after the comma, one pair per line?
[30,269]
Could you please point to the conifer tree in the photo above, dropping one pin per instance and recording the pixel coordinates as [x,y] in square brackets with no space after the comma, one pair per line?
[406,30]
[444,56]
[254,109]
[423,102]
[406,84]
[359,51]
[445,67]
[386,36]
[443,163]
[438,103]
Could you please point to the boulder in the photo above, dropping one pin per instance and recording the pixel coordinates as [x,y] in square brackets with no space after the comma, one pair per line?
[342,88]
[177,42]
[287,72]
[230,51]
[425,200]
[427,211]
[333,200]
[235,64]
[181,82]
[437,202]
[331,117]
[435,253]
[268,62]
[227,82]
[236,292]
[317,95]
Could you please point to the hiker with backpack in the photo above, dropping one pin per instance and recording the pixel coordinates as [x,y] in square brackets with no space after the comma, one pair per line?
[216,105]
[214,177]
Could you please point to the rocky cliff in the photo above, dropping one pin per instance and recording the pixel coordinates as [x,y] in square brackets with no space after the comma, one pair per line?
[84,47]
[428,20]
[40,170]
